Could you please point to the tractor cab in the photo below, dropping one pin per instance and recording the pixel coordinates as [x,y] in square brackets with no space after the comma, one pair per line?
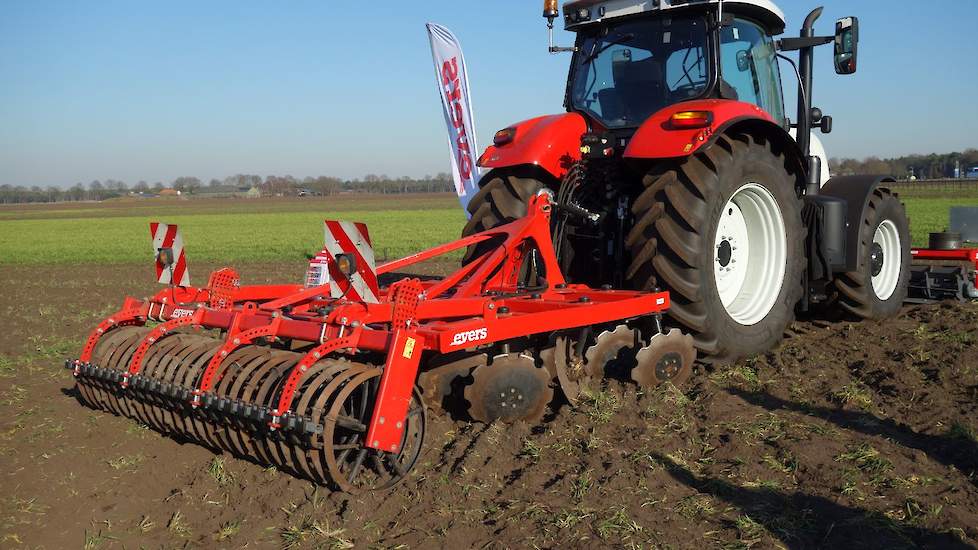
[631,62]
[675,166]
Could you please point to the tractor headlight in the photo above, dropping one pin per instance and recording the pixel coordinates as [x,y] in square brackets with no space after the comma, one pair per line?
[581,14]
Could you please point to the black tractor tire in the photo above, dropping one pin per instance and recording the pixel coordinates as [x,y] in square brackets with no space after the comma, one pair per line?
[672,242]
[856,293]
[502,198]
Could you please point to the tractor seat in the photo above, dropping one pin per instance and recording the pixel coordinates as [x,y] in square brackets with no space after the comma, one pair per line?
[640,87]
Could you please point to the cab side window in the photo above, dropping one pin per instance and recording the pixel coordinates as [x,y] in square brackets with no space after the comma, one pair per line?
[748,64]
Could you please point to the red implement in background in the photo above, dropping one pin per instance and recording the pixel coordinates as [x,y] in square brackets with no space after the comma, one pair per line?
[943,275]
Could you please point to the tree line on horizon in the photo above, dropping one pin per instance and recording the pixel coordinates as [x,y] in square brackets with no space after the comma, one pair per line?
[193,187]
[924,167]
[932,166]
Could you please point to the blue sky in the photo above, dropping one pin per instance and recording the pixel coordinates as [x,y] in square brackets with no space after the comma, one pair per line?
[139,90]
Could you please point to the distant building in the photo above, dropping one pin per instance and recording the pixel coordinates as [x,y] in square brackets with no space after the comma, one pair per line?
[169,192]
[217,191]
[227,192]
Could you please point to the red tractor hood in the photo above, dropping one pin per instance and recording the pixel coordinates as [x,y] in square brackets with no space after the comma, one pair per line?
[550,142]
[554,142]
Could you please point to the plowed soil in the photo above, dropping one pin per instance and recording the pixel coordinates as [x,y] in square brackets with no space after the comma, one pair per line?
[848,435]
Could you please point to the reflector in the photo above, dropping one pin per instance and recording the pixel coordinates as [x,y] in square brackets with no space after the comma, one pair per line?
[347,264]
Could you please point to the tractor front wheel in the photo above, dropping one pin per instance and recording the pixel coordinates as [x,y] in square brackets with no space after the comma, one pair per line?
[721,231]
[877,289]
[502,198]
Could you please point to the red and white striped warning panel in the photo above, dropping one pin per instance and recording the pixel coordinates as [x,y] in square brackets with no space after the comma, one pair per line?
[171,262]
[351,238]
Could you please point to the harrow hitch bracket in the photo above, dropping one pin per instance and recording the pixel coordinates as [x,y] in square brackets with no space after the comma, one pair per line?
[233,342]
[281,414]
[158,333]
[132,313]
[386,428]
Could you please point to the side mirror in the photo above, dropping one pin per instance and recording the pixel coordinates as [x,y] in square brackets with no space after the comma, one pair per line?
[846,45]
[621,56]
[743,61]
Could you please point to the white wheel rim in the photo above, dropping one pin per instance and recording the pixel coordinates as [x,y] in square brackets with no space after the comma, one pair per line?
[750,254]
[886,270]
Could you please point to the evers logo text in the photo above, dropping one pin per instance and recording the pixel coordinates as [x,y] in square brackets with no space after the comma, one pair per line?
[470,336]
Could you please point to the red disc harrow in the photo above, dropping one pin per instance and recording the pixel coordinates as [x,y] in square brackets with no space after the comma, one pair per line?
[337,389]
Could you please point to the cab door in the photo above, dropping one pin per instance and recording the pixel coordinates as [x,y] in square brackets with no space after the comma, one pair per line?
[749,67]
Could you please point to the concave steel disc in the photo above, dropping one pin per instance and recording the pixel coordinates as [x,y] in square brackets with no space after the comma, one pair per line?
[668,358]
[511,389]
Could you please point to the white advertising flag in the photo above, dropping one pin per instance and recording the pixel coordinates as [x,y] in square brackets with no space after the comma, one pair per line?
[453,86]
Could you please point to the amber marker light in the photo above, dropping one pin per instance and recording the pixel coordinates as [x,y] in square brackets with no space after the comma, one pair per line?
[689,120]
[504,136]
[550,9]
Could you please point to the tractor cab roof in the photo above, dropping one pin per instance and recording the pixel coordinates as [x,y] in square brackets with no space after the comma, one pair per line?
[583,13]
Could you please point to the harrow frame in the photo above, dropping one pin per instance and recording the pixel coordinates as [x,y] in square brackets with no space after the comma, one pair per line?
[480,304]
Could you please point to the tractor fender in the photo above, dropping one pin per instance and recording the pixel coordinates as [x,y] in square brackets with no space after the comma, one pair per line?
[551,142]
[856,191]
[656,138]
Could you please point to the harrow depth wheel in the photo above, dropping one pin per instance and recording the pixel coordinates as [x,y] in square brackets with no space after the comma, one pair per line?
[354,467]
[312,403]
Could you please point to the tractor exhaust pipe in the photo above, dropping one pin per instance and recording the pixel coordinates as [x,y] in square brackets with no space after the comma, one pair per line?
[805,58]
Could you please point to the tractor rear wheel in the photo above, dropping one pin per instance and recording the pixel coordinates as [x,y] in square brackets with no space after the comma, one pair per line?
[503,198]
[877,289]
[722,231]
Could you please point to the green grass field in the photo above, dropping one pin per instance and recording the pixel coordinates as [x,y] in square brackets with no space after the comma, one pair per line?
[222,231]
[930,215]
[233,231]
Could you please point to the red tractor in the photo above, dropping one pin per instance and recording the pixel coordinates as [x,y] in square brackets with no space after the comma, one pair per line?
[676,167]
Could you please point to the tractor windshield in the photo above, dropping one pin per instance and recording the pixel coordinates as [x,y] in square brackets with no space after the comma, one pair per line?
[625,72]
